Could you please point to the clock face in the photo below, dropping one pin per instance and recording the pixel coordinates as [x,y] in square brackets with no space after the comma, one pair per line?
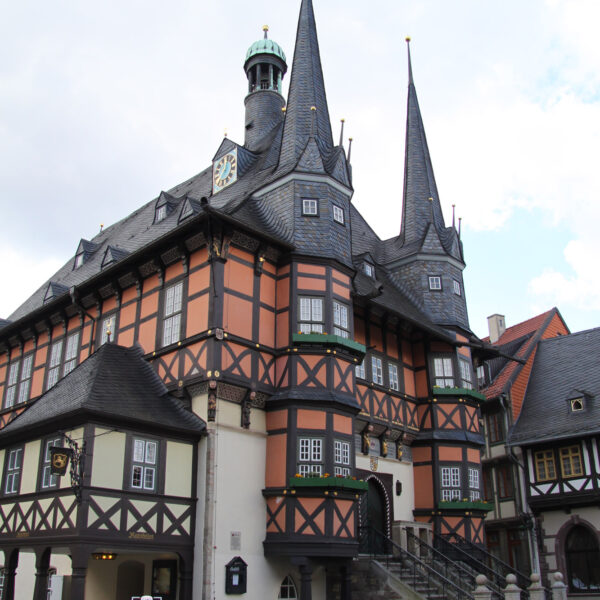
[225,171]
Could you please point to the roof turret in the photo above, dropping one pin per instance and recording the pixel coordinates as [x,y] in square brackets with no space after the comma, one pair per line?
[266,46]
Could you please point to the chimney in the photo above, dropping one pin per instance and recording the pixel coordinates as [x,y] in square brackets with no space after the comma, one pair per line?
[496,326]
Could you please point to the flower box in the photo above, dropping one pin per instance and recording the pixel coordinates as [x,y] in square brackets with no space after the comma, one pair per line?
[456,391]
[458,504]
[328,339]
[338,483]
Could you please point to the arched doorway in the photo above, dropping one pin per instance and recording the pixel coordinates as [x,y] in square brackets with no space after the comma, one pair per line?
[582,555]
[373,519]
[130,580]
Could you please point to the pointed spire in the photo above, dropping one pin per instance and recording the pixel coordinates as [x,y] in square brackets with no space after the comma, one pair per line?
[307,89]
[420,203]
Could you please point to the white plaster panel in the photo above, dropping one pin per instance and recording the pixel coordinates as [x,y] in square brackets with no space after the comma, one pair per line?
[178,475]
[200,406]
[29,473]
[109,456]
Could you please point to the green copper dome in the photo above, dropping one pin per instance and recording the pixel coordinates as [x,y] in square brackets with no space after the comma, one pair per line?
[265,46]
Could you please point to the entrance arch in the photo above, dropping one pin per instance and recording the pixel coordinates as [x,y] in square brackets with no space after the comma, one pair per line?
[374,517]
[582,555]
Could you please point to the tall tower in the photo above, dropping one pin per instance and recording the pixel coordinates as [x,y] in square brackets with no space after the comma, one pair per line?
[265,67]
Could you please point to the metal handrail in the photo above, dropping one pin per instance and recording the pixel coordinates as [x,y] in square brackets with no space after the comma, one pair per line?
[420,571]
[496,564]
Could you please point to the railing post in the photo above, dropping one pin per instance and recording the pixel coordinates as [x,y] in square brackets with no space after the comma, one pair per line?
[559,589]
[482,591]
[536,590]
[512,591]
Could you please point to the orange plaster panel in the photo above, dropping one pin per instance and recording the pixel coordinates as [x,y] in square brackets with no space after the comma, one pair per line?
[409,382]
[37,383]
[237,316]
[239,277]
[311,362]
[150,283]
[312,269]
[40,356]
[282,379]
[199,257]
[310,505]
[129,294]
[126,338]
[277,419]
[309,283]
[197,315]
[147,335]
[406,353]
[359,330]
[266,330]
[274,505]
[473,455]
[342,424]
[28,346]
[127,315]
[421,380]
[109,304]
[465,351]
[423,486]
[340,290]
[283,270]
[269,268]
[149,305]
[268,286]
[450,453]
[198,351]
[275,465]
[57,331]
[175,270]
[198,280]
[376,337]
[421,454]
[282,337]
[239,253]
[311,419]
[426,424]
[341,277]
[392,345]
[344,506]
[283,293]
[418,355]
[337,379]
[440,347]
[43,339]
[243,367]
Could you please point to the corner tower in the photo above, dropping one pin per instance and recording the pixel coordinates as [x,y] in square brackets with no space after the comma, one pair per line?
[265,67]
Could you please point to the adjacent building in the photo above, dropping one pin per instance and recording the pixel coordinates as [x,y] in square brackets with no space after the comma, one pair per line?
[251,378]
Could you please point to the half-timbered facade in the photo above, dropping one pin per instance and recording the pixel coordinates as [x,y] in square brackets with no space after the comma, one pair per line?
[558,435]
[504,380]
[333,369]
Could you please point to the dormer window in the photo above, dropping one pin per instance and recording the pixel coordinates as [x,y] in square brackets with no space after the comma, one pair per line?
[577,404]
[112,255]
[160,213]
[338,214]
[164,206]
[85,249]
[456,287]
[54,290]
[369,270]
[190,208]
[78,260]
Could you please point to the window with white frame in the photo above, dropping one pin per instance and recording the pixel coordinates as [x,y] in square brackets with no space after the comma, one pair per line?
[456,287]
[310,456]
[49,480]
[359,370]
[311,315]
[71,353]
[287,591]
[54,364]
[143,464]
[465,374]
[393,377]
[338,214]
[435,282]
[12,384]
[172,314]
[450,483]
[340,319]
[160,212]
[25,381]
[369,269]
[79,259]
[310,207]
[376,370]
[341,458]
[443,372]
[107,329]
[474,484]
[1,583]
[12,477]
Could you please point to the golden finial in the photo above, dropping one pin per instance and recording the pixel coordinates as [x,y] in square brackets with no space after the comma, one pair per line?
[283,109]
[313,108]
[225,133]
[101,227]
[265,29]
[408,38]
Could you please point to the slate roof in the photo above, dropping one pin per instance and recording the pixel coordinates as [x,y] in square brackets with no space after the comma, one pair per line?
[562,365]
[113,384]
[519,341]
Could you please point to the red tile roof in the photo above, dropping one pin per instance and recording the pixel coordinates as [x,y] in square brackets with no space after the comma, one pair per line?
[521,330]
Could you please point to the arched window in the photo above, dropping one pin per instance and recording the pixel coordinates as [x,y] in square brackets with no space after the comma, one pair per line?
[583,560]
[288,589]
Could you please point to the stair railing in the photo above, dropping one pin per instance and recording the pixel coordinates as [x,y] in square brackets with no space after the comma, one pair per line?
[414,570]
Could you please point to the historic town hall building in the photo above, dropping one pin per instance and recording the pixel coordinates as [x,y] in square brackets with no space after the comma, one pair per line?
[249,379]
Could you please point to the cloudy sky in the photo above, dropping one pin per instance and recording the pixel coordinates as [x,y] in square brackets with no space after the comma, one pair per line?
[103,105]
